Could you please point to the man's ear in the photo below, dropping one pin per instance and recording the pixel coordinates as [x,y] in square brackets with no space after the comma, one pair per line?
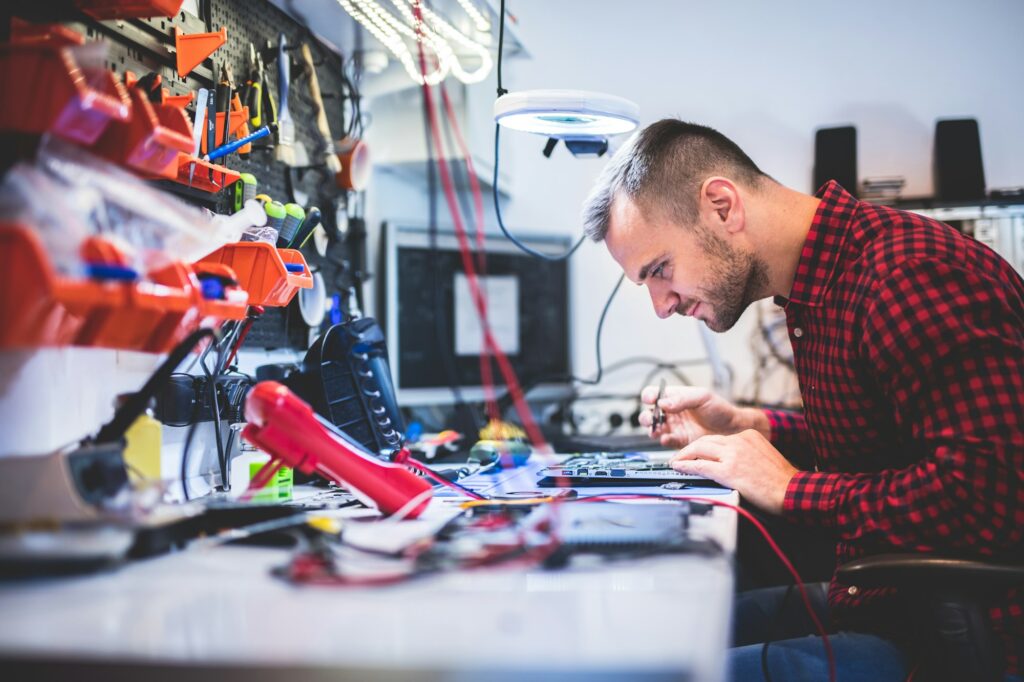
[720,204]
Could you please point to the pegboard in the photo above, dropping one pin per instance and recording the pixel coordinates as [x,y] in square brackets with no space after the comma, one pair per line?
[147,45]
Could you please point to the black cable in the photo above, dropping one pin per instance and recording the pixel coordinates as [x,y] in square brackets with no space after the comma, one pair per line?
[494,184]
[223,347]
[504,402]
[195,423]
[501,45]
[764,647]
[658,369]
[597,335]
[235,416]
[184,459]
[137,402]
[501,223]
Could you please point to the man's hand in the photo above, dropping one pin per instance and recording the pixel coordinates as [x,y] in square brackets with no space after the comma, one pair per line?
[745,461]
[692,412]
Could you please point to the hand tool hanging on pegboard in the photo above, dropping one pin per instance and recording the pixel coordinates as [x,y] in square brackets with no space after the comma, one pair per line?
[330,157]
[285,151]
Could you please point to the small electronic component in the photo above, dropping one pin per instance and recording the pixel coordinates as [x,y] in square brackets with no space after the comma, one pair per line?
[658,415]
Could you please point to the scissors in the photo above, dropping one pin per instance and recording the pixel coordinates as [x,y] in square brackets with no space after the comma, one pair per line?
[658,415]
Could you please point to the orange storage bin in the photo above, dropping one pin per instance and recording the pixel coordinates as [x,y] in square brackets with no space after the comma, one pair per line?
[263,271]
[50,92]
[208,176]
[54,35]
[153,317]
[42,308]
[151,140]
[31,313]
[216,310]
[239,120]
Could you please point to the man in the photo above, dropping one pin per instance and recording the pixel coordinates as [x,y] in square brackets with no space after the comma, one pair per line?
[908,341]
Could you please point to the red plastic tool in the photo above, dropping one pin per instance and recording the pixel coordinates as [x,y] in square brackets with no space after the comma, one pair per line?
[287,429]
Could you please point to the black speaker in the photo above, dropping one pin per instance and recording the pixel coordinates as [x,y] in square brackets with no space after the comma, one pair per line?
[958,171]
[835,157]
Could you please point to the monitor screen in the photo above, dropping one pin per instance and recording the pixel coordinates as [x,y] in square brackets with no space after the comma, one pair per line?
[433,331]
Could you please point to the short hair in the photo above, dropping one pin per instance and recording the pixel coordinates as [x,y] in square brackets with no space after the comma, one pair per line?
[661,168]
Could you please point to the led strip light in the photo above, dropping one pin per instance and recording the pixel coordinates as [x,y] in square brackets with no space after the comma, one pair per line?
[434,32]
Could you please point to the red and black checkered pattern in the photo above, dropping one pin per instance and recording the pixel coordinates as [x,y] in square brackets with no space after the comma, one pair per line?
[908,340]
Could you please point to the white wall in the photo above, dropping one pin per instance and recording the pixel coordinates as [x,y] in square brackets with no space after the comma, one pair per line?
[766,74]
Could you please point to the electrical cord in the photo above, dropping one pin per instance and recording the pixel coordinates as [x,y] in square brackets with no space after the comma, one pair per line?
[226,340]
[211,378]
[494,185]
[597,336]
[440,318]
[455,140]
[596,379]
[501,223]
[764,647]
[480,303]
[501,45]
[136,404]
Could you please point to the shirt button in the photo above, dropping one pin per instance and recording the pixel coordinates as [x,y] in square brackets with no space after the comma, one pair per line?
[852,590]
[798,332]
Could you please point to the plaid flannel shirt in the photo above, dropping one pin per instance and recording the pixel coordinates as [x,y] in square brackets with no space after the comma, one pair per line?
[908,342]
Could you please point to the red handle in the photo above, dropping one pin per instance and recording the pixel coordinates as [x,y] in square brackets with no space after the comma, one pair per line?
[285,427]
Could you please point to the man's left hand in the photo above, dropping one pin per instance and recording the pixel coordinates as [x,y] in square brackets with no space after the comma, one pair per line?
[745,461]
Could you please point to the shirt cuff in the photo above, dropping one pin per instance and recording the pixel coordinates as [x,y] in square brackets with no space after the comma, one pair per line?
[782,421]
[811,498]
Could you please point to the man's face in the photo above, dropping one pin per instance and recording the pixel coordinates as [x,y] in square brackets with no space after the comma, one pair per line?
[690,271]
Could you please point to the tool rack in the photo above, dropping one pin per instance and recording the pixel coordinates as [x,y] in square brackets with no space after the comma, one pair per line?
[150,133]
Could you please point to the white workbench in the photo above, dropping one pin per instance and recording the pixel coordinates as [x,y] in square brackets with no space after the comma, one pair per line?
[217,613]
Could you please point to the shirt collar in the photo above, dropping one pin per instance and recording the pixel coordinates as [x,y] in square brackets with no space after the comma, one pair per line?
[823,248]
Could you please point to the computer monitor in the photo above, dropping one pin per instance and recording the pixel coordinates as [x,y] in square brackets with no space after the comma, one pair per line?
[433,332]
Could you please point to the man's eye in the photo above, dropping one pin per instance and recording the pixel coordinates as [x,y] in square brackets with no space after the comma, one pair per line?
[658,271]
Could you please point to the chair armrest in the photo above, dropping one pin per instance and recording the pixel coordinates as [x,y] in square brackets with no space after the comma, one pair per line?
[926,572]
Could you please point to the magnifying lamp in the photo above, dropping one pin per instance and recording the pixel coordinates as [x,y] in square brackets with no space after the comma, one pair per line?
[583,120]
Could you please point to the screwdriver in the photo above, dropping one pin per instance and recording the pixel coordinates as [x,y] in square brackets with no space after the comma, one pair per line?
[226,149]
[306,228]
[197,131]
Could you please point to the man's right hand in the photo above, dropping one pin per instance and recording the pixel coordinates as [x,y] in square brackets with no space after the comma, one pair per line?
[692,412]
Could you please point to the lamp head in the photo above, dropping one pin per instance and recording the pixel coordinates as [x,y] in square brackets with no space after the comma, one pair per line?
[567,114]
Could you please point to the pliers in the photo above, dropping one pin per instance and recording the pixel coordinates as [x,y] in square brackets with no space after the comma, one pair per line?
[257,93]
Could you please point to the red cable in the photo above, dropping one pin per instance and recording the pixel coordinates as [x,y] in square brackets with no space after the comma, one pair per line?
[508,373]
[771,543]
[423,468]
[254,312]
[486,371]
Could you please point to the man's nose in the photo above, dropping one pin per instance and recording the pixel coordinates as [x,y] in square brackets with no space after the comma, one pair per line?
[665,302]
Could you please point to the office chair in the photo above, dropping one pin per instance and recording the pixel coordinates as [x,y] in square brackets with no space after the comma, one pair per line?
[949,595]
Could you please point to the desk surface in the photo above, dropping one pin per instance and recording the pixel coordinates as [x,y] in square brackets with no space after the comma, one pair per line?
[219,607]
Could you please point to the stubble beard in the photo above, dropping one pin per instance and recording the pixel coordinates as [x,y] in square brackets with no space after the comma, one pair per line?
[740,278]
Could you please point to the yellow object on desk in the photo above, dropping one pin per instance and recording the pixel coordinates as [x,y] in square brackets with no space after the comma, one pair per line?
[142,449]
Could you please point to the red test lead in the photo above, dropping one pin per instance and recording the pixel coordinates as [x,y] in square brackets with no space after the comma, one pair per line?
[287,429]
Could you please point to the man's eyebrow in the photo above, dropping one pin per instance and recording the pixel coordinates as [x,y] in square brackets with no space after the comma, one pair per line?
[646,269]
